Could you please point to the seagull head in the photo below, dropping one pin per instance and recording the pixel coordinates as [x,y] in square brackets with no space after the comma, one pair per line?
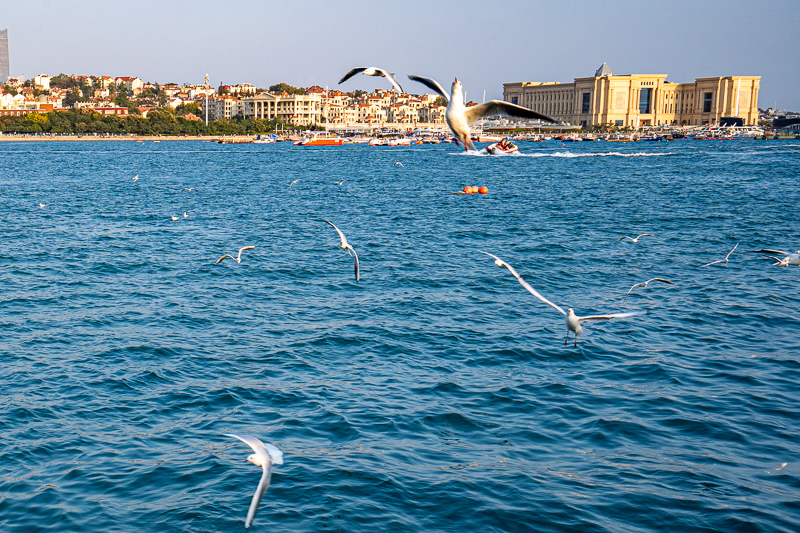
[253,458]
[499,263]
[570,312]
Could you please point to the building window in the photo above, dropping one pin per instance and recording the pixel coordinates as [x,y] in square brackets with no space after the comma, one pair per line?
[707,102]
[514,100]
[618,123]
[586,103]
[644,101]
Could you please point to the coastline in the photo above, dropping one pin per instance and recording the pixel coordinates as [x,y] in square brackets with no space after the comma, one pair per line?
[11,137]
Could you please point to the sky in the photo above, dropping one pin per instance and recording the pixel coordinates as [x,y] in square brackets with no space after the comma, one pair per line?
[484,44]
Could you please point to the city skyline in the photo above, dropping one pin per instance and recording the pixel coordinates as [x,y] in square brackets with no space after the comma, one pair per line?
[482,45]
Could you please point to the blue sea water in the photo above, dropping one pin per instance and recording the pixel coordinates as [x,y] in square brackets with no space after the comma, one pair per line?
[434,395]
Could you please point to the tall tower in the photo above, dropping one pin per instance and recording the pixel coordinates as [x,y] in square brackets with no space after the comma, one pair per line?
[4,69]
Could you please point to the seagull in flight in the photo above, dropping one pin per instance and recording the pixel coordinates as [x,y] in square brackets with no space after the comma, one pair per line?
[373,71]
[573,320]
[398,164]
[266,456]
[339,182]
[637,238]
[185,215]
[722,260]
[346,246]
[789,259]
[174,219]
[238,258]
[643,285]
[136,178]
[41,205]
[295,181]
[460,118]
[189,189]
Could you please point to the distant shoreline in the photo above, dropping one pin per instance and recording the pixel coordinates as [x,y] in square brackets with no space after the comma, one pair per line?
[5,137]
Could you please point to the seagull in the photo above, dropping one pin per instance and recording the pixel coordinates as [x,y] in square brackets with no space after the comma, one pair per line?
[189,189]
[573,320]
[722,260]
[790,259]
[174,219]
[398,163]
[295,181]
[373,71]
[266,455]
[238,258]
[185,215]
[339,182]
[41,205]
[637,238]
[643,285]
[135,178]
[345,246]
[460,118]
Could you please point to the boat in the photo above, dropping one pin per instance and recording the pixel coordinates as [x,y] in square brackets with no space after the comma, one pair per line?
[316,140]
[264,139]
[503,147]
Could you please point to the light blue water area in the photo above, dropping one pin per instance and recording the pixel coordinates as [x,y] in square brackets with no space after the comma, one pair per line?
[434,395]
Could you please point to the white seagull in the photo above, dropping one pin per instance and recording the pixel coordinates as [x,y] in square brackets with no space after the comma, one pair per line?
[789,259]
[573,320]
[339,182]
[460,118]
[398,163]
[643,285]
[373,71]
[637,238]
[185,215]
[722,260]
[189,189]
[41,205]
[292,183]
[266,455]
[174,219]
[135,178]
[345,246]
[238,258]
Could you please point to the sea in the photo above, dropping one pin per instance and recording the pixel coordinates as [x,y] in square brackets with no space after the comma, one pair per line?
[436,393]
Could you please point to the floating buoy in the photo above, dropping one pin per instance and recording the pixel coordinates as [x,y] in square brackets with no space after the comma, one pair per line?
[467,189]
[484,190]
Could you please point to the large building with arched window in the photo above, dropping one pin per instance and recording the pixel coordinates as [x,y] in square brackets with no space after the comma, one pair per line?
[637,100]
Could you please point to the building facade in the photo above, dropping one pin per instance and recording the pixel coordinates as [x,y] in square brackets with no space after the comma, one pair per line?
[639,100]
[5,70]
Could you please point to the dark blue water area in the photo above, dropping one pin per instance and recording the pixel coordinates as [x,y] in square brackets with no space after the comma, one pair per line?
[436,394]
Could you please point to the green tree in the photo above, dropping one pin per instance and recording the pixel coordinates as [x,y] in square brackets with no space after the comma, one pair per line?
[440,101]
[278,88]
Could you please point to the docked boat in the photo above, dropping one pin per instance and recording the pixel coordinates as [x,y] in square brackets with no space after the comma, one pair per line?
[264,139]
[318,140]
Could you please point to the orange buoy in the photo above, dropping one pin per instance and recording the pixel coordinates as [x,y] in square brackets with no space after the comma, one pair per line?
[475,189]
[484,190]
[467,189]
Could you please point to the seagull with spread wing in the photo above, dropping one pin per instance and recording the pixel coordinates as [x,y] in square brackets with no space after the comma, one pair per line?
[266,455]
[238,258]
[637,238]
[644,284]
[789,259]
[346,246]
[373,71]
[573,320]
[722,260]
[460,118]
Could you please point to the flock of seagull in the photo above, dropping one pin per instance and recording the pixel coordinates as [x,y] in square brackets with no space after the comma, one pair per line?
[459,118]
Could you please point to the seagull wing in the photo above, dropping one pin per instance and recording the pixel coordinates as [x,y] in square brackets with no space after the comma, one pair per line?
[623,238]
[712,263]
[389,76]
[497,107]
[645,235]
[341,235]
[526,284]
[431,84]
[768,251]
[263,485]
[729,253]
[221,259]
[662,280]
[356,266]
[243,249]
[608,317]
[352,73]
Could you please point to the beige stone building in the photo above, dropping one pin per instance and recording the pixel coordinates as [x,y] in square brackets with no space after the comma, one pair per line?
[300,109]
[638,100]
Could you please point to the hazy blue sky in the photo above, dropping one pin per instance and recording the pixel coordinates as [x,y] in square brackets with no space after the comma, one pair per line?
[483,43]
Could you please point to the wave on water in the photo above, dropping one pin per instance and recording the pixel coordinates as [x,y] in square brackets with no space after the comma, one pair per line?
[566,155]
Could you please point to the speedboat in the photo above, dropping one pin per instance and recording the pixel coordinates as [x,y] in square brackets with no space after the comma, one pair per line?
[502,147]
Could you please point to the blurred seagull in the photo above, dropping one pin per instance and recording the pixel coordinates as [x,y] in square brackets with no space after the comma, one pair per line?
[41,205]
[295,181]
[340,182]
[238,258]
[189,189]
[185,215]
[573,320]
[174,219]
[266,455]
[722,260]
[345,246]
[643,285]
[460,118]
[398,163]
[790,259]
[135,178]
[637,238]
[373,71]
